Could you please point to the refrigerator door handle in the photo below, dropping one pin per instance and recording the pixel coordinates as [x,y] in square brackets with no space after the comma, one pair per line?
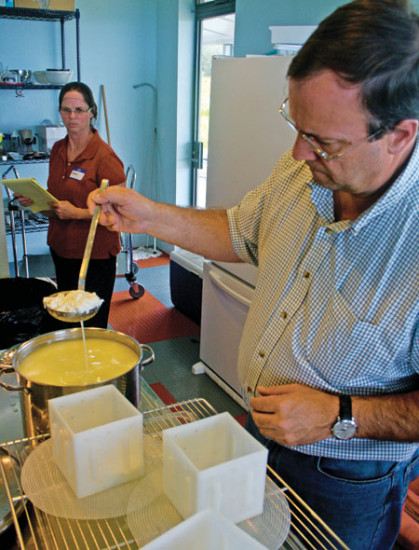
[217,280]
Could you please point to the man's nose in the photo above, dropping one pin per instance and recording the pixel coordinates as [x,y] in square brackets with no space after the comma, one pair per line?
[302,150]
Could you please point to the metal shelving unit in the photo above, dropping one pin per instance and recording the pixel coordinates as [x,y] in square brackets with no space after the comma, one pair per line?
[29,14]
[12,162]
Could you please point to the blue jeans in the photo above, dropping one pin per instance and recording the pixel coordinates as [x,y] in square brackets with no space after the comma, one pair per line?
[360,500]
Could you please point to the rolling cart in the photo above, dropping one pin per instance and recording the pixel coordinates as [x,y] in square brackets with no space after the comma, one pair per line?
[12,207]
[135,289]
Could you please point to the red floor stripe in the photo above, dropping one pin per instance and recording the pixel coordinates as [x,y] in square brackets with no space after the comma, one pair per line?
[163,393]
[241,419]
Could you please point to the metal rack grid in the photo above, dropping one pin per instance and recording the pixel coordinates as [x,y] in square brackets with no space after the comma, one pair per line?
[40,531]
[33,223]
[29,14]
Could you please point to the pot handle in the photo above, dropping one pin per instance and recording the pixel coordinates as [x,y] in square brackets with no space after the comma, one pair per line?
[151,357]
[7,369]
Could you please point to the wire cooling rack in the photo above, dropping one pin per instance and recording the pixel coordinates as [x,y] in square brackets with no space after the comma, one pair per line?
[36,530]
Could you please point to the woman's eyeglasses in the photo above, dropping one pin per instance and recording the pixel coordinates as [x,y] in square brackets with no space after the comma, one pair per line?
[66,111]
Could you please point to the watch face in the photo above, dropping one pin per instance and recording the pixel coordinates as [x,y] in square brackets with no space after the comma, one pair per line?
[344,429]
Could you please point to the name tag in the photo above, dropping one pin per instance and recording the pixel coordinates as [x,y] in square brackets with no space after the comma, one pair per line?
[77,174]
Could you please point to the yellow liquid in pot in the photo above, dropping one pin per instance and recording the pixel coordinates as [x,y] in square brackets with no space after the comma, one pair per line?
[63,363]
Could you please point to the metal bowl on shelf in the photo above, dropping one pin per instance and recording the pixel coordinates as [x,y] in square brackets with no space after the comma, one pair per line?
[16,76]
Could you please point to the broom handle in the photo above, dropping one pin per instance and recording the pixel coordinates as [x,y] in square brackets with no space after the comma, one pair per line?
[102,89]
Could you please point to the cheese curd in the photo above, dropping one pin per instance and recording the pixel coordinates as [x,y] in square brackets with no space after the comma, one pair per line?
[78,302]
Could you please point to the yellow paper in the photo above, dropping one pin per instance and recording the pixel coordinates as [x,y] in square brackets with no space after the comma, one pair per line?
[29,187]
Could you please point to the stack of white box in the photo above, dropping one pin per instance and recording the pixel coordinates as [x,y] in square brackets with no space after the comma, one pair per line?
[97,439]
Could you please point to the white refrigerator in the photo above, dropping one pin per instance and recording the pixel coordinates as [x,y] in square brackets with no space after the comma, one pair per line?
[247,136]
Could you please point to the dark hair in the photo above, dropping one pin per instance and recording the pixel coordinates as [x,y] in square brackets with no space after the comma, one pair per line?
[85,91]
[374,43]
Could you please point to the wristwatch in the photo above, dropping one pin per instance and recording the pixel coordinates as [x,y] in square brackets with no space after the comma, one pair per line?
[345,426]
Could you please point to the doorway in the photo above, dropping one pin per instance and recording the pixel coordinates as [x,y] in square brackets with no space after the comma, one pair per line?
[214,37]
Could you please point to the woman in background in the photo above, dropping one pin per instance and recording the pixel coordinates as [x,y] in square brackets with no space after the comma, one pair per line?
[78,163]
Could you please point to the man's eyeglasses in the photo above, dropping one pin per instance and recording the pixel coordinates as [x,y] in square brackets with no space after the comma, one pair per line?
[66,111]
[318,150]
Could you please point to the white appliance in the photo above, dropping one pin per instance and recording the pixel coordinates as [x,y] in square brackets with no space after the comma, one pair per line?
[247,136]
[48,135]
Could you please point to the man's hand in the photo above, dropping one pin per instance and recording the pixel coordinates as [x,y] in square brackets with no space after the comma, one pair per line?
[294,414]
[122,209]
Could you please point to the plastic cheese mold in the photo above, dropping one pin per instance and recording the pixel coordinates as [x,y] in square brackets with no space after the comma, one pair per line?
[207,530]
[214,463]
[97,439]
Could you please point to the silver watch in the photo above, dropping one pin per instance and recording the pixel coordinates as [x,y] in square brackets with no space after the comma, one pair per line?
[345,426]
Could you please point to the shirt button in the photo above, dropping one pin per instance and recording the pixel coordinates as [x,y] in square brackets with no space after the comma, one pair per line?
[261,353]
[249,389]
[306,274]
[284,314]
[329,230]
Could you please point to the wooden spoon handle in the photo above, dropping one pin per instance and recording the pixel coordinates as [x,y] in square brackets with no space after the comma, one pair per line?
[90,239]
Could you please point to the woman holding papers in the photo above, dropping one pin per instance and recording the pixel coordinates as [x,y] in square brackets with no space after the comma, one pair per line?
[78,163]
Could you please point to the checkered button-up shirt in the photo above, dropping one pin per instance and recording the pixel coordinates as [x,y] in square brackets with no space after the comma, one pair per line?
[336,304]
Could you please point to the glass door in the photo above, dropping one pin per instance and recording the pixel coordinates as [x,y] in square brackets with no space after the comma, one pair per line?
[214,37]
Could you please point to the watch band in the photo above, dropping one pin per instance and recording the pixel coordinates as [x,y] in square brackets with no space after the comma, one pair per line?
[345,407]
[345,426]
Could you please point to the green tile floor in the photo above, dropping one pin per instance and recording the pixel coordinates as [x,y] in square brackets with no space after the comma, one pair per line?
[173,368]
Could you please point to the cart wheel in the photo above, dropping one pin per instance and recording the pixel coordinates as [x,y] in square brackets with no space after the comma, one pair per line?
[136,291]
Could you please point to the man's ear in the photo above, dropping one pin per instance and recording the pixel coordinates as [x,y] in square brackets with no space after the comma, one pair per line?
[403,135]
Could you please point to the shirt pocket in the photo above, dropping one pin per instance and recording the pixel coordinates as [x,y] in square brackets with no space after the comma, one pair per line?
[346,349]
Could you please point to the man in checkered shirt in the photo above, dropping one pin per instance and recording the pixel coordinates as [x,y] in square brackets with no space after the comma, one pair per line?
[329,358]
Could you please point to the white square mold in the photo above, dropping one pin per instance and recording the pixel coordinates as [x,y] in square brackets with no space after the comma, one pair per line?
[97,439]
[214,463]
[206,530]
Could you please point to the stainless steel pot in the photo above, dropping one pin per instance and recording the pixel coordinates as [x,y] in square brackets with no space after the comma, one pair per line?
[35,395]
